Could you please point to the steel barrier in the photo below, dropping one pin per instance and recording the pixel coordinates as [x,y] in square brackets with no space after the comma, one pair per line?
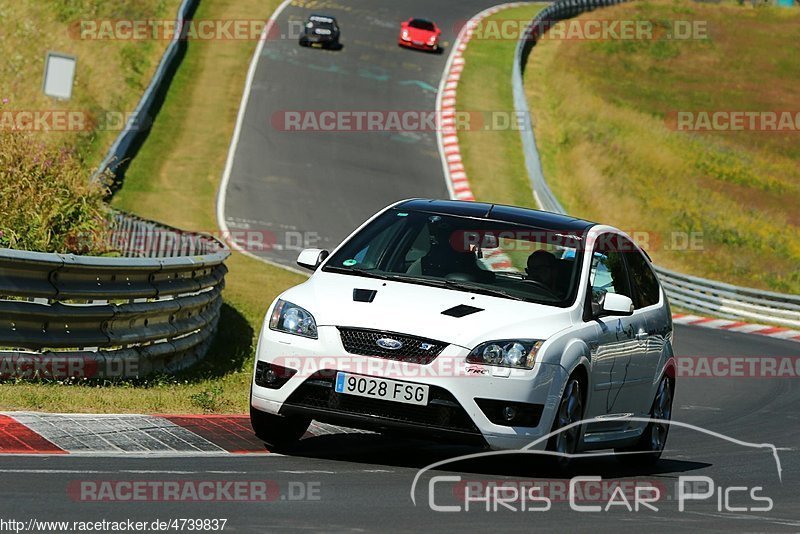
[154,309]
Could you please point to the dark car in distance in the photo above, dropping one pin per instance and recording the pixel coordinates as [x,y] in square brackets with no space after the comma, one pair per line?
[320,31]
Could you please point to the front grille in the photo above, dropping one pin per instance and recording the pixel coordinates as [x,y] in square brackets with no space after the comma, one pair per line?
[442,412]
[414,349]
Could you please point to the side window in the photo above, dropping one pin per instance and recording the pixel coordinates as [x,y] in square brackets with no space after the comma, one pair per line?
[607,273]
[643,279]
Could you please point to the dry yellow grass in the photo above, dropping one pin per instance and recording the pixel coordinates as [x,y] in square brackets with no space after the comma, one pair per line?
[110,76]
[610,155]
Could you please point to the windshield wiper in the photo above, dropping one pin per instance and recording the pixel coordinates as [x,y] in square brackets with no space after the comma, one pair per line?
[358,272]
[456,284]
[445,284]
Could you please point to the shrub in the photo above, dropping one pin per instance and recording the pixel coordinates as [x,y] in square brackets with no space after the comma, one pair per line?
[46,201]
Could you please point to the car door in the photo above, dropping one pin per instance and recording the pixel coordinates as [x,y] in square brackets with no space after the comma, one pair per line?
[644,371]
[619,342]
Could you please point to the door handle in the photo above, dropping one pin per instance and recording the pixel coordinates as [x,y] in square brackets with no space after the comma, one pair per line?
[641,336]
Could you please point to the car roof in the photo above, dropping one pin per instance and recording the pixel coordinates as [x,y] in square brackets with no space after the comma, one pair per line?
[498,212]
[321,18]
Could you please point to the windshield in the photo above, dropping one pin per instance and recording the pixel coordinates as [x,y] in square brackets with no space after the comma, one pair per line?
[461,253]
[421,24]
[312,26]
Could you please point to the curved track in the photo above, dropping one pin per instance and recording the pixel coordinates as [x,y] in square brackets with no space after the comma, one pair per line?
[318,186]
[326,184]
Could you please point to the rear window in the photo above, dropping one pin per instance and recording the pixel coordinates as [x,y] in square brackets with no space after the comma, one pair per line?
[422,24]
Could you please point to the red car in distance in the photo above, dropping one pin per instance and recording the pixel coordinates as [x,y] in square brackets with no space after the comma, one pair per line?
[420,34]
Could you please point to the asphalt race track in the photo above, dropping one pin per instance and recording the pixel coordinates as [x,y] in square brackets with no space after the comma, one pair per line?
[325,184]
[363,481]
[315,186]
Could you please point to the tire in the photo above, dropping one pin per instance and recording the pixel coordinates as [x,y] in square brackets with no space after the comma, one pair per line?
[570,410]
[277,430]
[651,444]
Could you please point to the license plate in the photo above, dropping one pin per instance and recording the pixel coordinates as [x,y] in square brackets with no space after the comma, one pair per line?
[316,45]
[381,388]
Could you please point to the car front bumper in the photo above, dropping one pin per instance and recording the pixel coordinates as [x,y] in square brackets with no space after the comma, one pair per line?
[456,388]
[418,45]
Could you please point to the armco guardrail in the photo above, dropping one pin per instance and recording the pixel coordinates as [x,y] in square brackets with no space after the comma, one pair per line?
[153,310]
[689,292]
[138,125]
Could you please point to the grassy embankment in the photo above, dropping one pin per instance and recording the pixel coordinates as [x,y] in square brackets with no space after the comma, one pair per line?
[604,114]
[606,130]
[110,76]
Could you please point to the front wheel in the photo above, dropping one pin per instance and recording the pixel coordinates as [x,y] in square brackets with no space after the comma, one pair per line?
[651,444]
[278,430]
[570,410]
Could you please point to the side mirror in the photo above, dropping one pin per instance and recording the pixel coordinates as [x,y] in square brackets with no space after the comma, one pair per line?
[311,258]
[616,305]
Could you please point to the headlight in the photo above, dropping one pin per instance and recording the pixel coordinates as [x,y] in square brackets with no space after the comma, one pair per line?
[292,319]
[520,353]
[432,40]
[405,35]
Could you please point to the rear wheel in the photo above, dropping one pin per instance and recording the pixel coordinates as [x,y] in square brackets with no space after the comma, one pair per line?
[651,444]
[278,430]
[570,410]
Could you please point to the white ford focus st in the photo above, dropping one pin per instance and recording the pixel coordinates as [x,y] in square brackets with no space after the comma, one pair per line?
[472,322]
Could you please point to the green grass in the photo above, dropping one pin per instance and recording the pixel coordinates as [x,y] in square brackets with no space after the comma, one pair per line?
[493,159]
[111,74]
[174,179]
[610,153]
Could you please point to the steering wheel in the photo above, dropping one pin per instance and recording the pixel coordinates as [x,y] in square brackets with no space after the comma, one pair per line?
[542,285]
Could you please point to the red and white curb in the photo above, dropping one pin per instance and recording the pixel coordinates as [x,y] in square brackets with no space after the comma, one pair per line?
[134,434]
[447,133]
[737,326]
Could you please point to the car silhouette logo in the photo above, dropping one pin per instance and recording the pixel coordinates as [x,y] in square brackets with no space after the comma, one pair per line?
[389,343]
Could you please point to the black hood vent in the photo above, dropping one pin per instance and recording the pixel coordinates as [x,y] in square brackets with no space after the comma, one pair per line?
[462,310]
[364,295]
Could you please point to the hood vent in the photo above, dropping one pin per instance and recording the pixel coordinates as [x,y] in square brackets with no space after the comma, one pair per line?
[364,295]
[462,310]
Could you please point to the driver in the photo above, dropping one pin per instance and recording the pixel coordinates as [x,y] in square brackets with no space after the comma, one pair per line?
[543,268]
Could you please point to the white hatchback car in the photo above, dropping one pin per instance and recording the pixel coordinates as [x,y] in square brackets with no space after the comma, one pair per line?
[473,322]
